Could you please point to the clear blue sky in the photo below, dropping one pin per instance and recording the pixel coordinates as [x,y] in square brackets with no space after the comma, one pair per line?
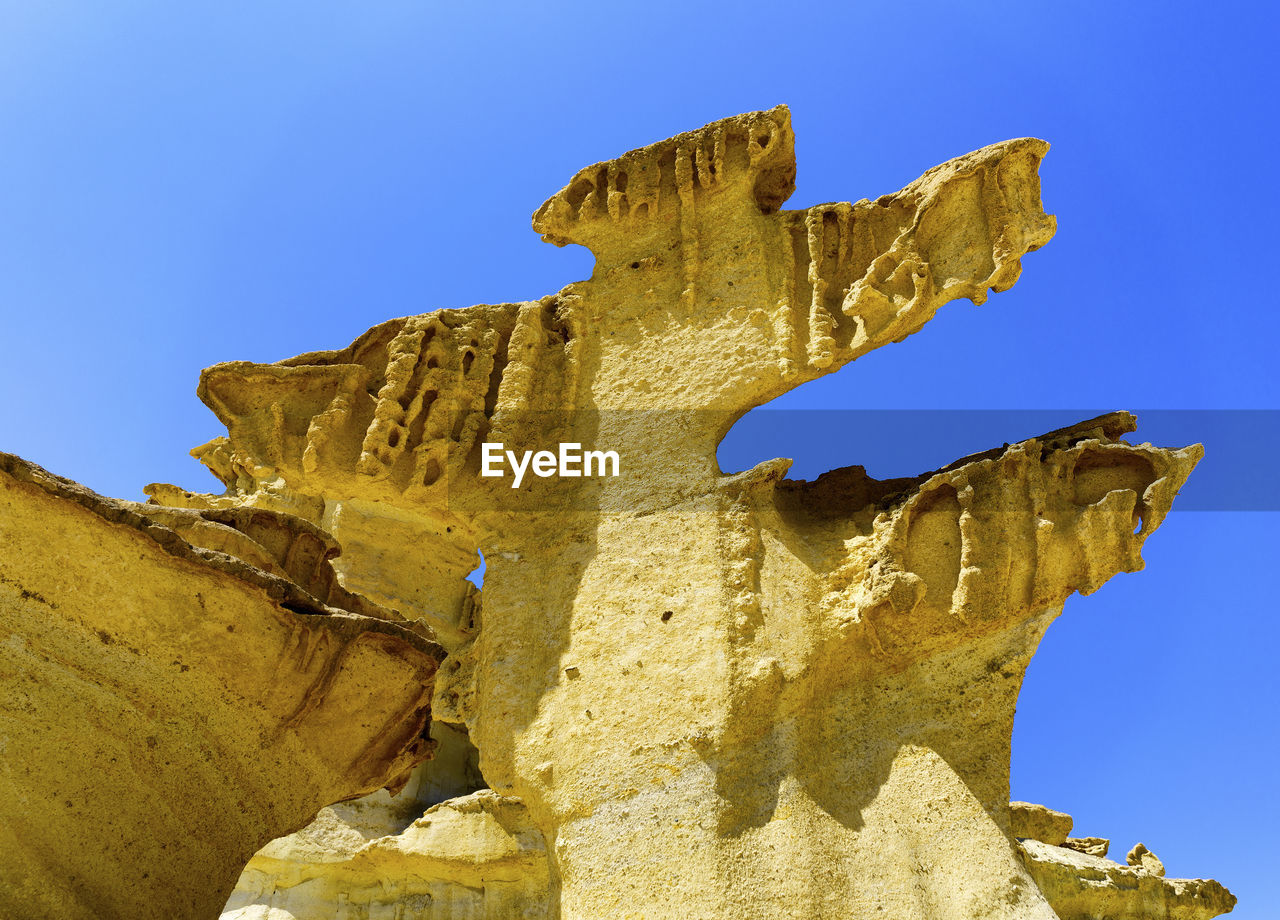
[182,185]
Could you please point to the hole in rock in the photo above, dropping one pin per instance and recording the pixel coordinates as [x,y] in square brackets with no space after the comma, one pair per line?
[453,772]
[845,418]
[476,575]
[904,408]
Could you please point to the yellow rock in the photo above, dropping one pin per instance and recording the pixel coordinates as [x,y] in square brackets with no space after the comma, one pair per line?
[473,856]
[719,695]
[1090,846]
[177,689]
[693,694]
[1142,858]
[1083,887]
[1035,822]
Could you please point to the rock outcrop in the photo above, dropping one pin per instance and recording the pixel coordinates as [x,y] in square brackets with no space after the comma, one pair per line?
[720,695]
[1084,887]
[1035,822]
[1142,858]
[472,856]
[177,689]
[1090,846]
[690,694]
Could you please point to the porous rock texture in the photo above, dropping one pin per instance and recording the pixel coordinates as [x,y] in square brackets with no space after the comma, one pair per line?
[694,694]
[715,695]
[177,688]
[1035,822]
[477,855]
[1084,887]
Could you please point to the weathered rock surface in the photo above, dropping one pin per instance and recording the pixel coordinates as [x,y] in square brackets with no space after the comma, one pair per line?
[718,695]
[480,857]
[177,689]
[1083,887]
[477,856]
[1090,846]
[1145,860]
[693,694]
[1035,822]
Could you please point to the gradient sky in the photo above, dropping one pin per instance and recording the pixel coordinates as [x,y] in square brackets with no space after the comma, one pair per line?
[181,185]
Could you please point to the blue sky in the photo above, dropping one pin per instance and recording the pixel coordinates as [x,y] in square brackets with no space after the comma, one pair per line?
[181,185]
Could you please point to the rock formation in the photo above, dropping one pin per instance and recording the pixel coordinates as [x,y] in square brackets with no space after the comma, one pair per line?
[177,688]
[691,693]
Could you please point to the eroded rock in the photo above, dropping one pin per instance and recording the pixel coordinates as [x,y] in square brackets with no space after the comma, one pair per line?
[1035,822]
[1089,846]
[722,695]
[1142,858]
[474,856]
[176,690]
[694,694]
[1084,887]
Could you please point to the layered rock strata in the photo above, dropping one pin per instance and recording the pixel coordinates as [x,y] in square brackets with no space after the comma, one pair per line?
[475,856]
[178,688]
[478,856]
[1084,887]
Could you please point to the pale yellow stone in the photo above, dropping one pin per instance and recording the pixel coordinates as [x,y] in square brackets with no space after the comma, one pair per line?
[1142,858]
[473,856]
[1035,822]
[694,694]
[719,695]
[1090,846]
[1083,887]
[177,688]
